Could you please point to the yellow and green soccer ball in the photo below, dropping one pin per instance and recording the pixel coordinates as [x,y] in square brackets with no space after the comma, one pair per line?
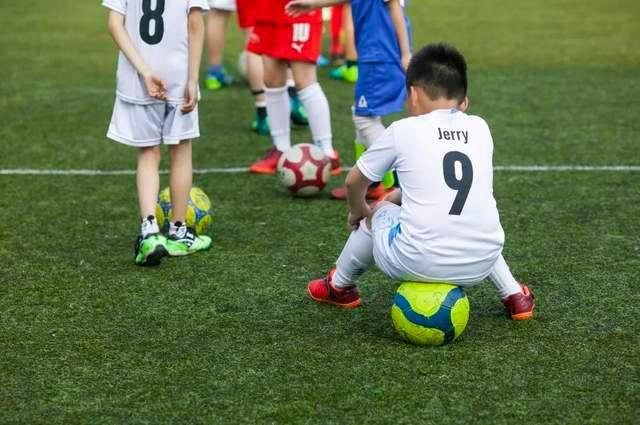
[199,210]
[429,313]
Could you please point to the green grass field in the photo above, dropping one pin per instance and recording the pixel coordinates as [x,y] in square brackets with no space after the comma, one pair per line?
[229,336]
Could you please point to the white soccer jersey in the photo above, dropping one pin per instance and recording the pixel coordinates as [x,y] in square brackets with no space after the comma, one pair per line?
[159,31]
[449,227]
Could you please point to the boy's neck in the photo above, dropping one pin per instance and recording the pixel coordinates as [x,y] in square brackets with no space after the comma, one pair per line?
[426,105]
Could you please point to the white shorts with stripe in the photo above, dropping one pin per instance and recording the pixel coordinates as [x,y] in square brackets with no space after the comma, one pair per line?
[390,260]
[151,125]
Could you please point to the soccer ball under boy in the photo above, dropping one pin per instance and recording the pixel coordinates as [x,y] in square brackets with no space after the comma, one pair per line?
[429,313]
[304,169]
[199,211]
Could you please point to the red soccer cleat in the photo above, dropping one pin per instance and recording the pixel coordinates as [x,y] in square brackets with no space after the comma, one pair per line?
[520,306]
[323,291]
[268,164]
[336,168]
[375,192]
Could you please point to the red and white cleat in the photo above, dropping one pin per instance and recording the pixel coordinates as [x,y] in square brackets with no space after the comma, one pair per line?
[268,164]
[520,306]
[336,167]
[323,291]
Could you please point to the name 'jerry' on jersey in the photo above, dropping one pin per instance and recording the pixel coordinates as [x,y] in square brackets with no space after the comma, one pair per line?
[159,30]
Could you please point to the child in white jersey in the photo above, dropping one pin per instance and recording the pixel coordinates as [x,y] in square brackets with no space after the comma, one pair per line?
[443,224]
[157,101]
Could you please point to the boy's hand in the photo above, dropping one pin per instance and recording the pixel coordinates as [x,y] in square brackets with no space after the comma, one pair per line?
[190,97]
[355,217]
[155,87]
[299,7]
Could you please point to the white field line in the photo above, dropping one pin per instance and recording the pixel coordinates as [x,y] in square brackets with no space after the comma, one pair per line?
[238,170]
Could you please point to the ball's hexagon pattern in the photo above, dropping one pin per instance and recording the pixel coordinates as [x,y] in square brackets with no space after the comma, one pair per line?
[429,313]
[304,170]
[199,210]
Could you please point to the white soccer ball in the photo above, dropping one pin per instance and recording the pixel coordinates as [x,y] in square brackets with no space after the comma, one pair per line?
[304,169]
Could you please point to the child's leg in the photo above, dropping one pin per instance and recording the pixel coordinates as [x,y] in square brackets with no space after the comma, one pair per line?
[255,78]
[182,240]
[255,75]
[356,257]
[298,113]
[279,111]
[150,245]
[368,129]
[277,99]
[349,70]
[518,299]
[315,103]
[503,280]
[148,180]
[181,179]
[217,22]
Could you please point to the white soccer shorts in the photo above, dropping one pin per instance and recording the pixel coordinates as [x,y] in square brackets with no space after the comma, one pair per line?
[229,5]
[150,125]
[385,228]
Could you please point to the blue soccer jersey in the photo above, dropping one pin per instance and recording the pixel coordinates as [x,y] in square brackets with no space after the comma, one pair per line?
[376,39]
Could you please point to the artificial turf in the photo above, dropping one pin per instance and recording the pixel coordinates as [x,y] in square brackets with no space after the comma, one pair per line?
[229,336]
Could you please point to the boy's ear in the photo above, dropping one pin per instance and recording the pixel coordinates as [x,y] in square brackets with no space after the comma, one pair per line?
[464,105]
[412,100]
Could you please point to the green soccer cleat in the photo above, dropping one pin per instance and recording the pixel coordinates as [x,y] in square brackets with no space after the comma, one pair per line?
[345,73]
[217,80]
[186,242]
[212,83]
[261,126]
[150,250]
[298,114]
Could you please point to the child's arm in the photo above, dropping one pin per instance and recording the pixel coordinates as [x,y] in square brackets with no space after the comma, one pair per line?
[397,17]
[357,185]
[196,43]
[300,7]
[155,86]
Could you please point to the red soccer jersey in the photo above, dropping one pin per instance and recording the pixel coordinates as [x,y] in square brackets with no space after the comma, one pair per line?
[273,11]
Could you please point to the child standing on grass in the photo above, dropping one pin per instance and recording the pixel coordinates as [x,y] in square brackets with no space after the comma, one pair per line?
[443,225]
[157,95]
[286,42]
[384,49]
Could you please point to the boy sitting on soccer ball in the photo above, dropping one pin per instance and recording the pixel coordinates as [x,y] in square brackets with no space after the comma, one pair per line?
[443,224]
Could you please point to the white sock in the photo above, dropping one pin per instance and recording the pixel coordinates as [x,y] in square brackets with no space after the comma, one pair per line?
[177,228]
[279,111]
[356,257]
[149,226]
[503,280]
[368,129]
[315,103]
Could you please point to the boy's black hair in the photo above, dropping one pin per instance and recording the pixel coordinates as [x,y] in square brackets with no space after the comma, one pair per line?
[440,70]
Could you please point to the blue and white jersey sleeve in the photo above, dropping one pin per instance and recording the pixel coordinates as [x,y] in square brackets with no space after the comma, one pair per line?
[380,157]
[119,6]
